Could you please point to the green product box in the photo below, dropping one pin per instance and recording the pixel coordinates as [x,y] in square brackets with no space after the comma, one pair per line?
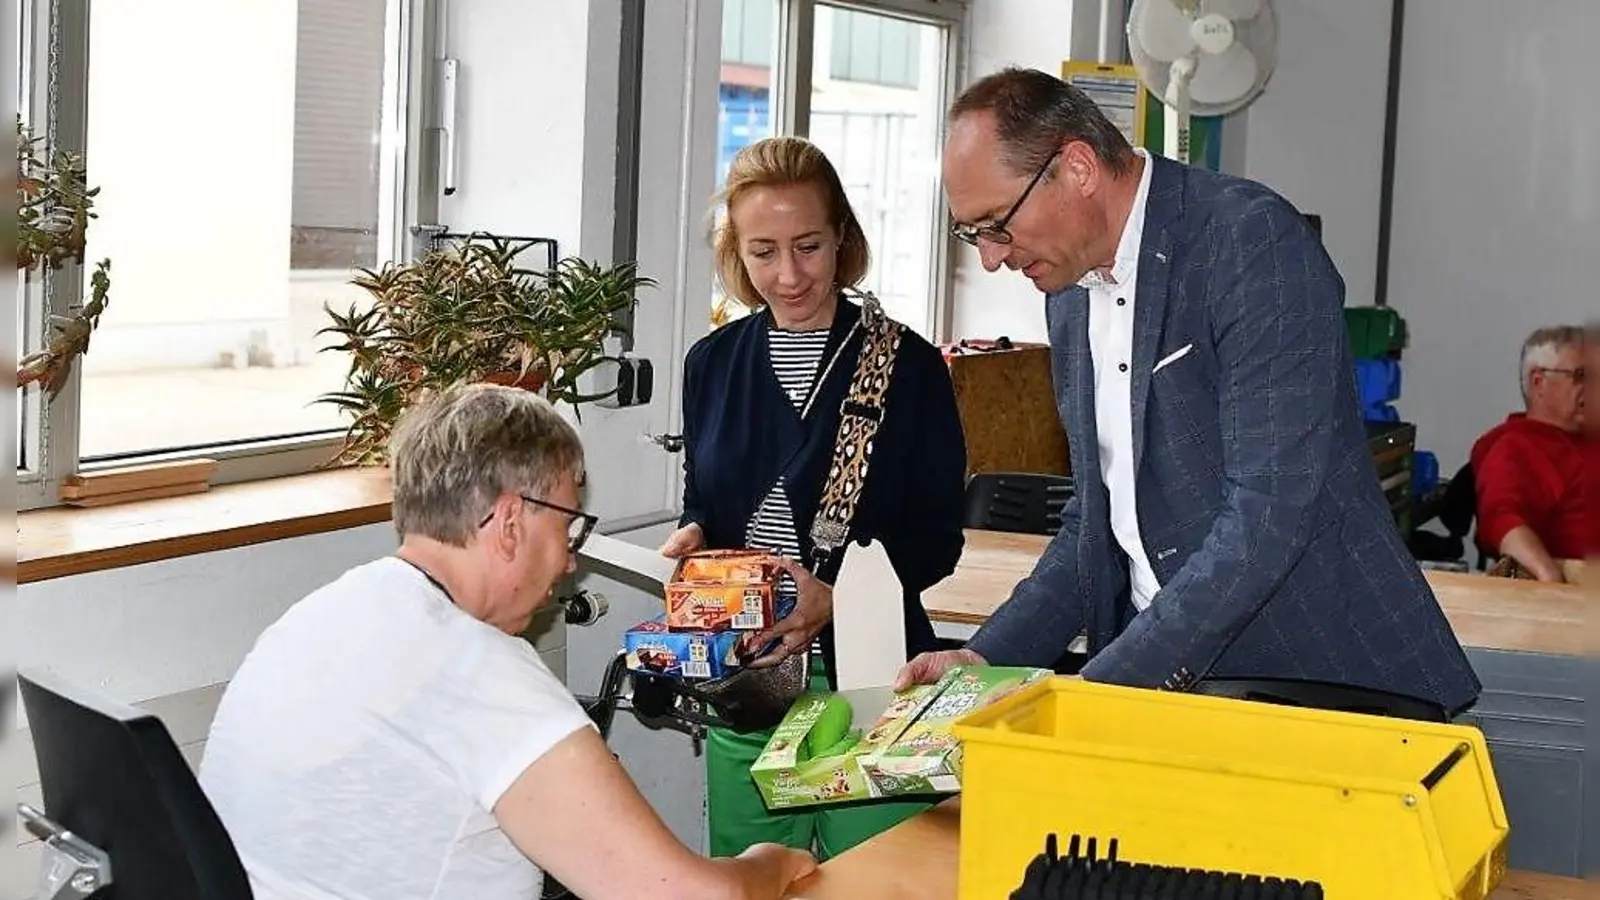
[925,748]
[870,761]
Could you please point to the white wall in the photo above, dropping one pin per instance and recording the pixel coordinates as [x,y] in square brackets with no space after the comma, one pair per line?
[1497,202]
[1315,134]
[1490,223]
[1037,34]
[537,113]
[520,111]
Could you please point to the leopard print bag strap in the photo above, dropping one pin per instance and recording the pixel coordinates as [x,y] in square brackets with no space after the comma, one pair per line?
[861,416]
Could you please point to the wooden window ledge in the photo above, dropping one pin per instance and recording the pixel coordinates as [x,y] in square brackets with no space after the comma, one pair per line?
[61,541]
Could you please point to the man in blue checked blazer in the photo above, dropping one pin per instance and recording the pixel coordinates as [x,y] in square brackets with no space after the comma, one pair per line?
[1228,522]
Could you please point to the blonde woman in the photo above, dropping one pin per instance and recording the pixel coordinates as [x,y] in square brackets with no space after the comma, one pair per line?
[762,407]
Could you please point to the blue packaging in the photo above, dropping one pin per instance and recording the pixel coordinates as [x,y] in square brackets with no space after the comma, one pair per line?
[692,655]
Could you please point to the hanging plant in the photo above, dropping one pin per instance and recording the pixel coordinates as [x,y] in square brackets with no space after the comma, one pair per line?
[54,206]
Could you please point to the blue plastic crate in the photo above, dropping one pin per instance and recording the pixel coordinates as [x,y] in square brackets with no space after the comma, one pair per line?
[1424,472]
[1380,412]
[1377,380]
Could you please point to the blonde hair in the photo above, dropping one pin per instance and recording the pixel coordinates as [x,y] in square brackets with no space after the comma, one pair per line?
[779,162]
[455,452]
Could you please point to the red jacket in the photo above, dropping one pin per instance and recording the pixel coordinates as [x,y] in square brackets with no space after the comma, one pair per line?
[1591,477]
[1532,473]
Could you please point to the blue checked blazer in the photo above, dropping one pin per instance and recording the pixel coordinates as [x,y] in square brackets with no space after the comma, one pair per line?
[1258,501]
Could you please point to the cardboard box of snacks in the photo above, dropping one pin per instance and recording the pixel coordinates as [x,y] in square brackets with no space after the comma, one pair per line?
[832,748]
[723,589]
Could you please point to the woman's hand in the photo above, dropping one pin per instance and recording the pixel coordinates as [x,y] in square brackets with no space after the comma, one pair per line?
[691,538]
[812,611]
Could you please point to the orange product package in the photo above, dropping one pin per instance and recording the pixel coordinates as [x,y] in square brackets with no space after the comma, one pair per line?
[717,590]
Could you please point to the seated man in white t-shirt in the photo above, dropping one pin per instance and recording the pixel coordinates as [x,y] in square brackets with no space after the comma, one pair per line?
[392,737]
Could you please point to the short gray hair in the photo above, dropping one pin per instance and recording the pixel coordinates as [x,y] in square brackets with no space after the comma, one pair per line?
[1035,113]
[1542,347]
[454,453]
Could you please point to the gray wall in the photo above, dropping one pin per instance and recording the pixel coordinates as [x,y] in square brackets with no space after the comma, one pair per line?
[1496,182]
[1316,133]
[1497,201]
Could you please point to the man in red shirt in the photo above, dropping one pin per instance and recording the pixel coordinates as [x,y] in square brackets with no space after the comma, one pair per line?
[1529,470]
[1592,474]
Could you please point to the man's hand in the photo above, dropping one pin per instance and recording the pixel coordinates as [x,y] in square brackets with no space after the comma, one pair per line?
[812,611]
[691,538]
[1523,545]
[927,668]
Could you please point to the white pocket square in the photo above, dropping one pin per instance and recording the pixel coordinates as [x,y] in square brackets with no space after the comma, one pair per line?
[1172,358]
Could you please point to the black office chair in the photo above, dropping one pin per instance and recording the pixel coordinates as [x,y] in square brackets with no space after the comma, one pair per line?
[117,790]
[1023,502]
[1455,509]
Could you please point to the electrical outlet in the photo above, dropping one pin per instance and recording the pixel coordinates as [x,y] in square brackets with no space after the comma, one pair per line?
[644,378]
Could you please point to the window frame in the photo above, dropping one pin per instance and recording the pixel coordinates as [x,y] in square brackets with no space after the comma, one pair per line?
[791,93]
[50,438]
[413,47]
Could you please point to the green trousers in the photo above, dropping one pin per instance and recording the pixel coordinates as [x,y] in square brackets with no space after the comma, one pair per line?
[738,817]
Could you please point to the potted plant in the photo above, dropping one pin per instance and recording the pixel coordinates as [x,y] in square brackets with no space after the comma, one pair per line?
[54,206]
[466,312]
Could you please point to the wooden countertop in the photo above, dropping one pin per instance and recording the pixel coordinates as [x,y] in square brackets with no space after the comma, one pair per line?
[1491,613]
[917,860]
[61,541]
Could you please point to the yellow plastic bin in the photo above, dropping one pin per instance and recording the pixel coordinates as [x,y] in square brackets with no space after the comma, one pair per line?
[1371,808]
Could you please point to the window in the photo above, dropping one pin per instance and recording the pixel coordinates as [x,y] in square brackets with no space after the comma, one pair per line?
[744,98]
[879,116]
[748,34]
[872,93]
[249,156]
[874,49]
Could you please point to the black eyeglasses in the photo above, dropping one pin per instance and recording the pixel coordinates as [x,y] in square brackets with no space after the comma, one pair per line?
[579,526]
[997,233]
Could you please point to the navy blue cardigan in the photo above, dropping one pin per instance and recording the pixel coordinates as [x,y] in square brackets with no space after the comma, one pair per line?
[741,432]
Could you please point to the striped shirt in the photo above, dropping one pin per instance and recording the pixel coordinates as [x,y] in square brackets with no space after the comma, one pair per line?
[796,356]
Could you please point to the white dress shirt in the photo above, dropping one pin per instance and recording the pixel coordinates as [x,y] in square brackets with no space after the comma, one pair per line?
[1111,305]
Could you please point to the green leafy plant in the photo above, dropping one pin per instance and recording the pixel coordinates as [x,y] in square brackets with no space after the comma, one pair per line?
[54,206]
[467,313]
